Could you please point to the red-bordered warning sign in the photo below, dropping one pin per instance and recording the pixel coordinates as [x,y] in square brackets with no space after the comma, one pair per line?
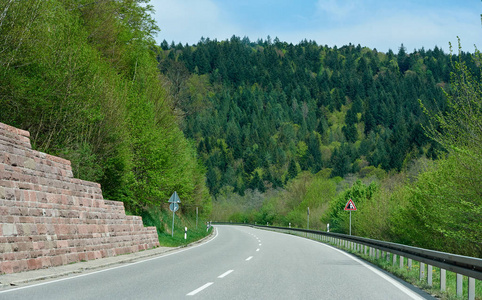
[350,205]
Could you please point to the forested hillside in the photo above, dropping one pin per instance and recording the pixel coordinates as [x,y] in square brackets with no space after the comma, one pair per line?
[282,128]
[81,76]
[262,112]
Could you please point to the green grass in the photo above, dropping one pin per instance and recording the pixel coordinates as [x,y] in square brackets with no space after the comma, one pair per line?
[162,220]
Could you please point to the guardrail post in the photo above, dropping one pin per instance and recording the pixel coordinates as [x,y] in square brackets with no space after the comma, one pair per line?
[471,288]
[401,262]
[429,275]
[394,259]
[378,253]
[443,280]
[365,249]
[422,271]
[409,264]
[459,285]
[388,256]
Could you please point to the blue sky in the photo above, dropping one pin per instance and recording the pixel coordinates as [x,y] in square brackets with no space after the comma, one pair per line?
[381,24]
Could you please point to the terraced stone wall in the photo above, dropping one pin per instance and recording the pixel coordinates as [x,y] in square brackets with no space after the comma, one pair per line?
[48,218]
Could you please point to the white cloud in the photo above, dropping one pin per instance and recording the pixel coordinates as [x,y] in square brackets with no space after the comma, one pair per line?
[337,9]
[187,21]
[388,29]
[348,22]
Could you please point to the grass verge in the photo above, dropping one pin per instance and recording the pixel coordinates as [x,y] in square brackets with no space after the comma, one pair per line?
[162,220]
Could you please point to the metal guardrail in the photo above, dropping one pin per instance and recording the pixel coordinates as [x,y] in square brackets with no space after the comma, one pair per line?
[459,264]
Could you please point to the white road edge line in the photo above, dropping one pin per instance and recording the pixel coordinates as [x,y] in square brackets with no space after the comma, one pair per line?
[104,270]
[199,289]
[225,274]
[397,284]
[249,258]
[257,250]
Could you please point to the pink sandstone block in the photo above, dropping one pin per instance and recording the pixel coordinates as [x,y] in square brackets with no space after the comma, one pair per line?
[56,261]
[32,196]
[21,132]
[41,228]
[90,255]
[72,257]
[6,267]
[34,264]
[20,265]
[97,254]
[62,244]
[83,256]
[10,255]
[45,262]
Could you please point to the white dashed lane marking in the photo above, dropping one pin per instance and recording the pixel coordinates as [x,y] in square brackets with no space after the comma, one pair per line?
[199,289]
[225,274]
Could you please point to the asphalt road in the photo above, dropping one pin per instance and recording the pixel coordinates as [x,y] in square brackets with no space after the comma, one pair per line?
[239,263]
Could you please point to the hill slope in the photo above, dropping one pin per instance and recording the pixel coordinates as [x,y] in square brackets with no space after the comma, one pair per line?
[262,112]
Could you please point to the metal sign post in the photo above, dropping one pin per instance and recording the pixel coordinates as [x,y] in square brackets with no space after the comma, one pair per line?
[308,224]
[350,206]
[174,206]
[350,222]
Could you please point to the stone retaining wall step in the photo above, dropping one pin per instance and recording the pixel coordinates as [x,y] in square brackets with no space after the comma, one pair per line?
[49,218]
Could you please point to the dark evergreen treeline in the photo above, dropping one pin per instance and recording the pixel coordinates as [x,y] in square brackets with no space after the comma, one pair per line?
[262,112]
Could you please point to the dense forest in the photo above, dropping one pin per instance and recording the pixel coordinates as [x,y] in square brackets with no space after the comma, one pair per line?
[283,127]
[263,112]
[81,76]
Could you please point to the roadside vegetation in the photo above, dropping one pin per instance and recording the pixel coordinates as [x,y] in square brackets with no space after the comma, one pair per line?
[81,76]
[197,228]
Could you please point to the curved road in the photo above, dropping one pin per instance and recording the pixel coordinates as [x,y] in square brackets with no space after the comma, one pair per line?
[239,263]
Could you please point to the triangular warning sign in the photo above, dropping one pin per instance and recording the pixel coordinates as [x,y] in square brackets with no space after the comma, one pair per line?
[350,205]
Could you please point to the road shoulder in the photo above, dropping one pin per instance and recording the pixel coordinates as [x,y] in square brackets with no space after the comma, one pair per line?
[35,276]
